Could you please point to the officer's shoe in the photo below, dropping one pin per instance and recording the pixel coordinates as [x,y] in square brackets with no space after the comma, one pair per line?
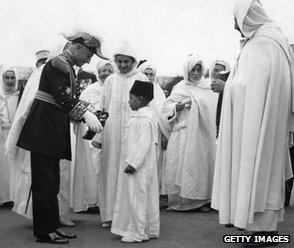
[64,234]
[52,238]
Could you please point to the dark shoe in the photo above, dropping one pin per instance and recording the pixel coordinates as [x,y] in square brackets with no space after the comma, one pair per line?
[106,224]
[169,209]
[52,238]
[205,209]
[229,225]
[64,234]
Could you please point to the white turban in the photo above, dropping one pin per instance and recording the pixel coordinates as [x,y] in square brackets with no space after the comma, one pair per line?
[102,63]
[5,69]
[126,49]
[191,61]
[250,16]
[220,62]
[147,65]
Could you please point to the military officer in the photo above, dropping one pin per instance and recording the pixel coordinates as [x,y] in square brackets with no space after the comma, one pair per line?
[46,132]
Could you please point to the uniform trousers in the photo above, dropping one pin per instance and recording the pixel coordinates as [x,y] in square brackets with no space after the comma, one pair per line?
[45,188]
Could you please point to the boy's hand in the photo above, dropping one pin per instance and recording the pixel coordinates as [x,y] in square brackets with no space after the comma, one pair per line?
[129,170]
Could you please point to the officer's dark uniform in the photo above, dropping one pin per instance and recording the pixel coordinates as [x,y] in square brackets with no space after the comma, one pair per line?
[46,133]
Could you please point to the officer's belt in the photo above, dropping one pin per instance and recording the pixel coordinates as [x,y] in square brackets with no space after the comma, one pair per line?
[46,97]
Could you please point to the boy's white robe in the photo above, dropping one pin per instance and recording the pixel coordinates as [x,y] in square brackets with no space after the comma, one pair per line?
[252,150]
[191,147]
[136,212]
[115,99]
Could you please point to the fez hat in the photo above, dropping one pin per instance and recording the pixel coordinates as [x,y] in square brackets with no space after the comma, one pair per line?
[142,88]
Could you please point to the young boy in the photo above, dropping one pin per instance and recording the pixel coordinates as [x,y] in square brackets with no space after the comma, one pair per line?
[136,211]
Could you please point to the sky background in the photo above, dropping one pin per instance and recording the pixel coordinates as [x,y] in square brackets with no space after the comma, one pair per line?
[164,31]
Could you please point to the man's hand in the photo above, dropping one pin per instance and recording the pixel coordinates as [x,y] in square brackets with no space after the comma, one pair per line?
[217,85]
[129,170]
[96,144]
[181,105]
[92,122]
[163,142]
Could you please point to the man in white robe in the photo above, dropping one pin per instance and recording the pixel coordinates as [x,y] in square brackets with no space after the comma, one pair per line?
[218,83]
[136,212]
[190,109]
[164,128]
[87,160]
[257,111]
[8,106]
[115,101]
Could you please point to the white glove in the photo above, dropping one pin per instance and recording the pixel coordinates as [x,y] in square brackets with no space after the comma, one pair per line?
[91,108]
[6,126]
[92,122]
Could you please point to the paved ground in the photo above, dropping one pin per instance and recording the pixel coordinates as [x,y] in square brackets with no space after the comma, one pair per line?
[178,230]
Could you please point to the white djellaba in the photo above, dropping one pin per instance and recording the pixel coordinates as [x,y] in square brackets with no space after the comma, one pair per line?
[136,212]
[8,106]
[115,99]
[252,161]
[87,158]
[22,174]
[191,147]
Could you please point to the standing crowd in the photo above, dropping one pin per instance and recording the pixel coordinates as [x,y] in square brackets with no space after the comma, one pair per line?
[220,142]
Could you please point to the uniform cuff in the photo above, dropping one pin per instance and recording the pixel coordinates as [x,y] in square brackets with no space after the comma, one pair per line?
[78,111]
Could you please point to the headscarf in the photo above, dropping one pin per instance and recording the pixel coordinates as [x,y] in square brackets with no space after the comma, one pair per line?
[254,22]
[219,62]
[191,61]
[102,63]
[250,16]
[126,49]
[146,65]
[99,65]
[5,69]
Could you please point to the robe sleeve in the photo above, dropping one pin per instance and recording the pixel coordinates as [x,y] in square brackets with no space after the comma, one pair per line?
[61,92]
[169,111]
[254,79]
[140,150]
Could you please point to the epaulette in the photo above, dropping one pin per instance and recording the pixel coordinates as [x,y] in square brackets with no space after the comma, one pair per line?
[60,63]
